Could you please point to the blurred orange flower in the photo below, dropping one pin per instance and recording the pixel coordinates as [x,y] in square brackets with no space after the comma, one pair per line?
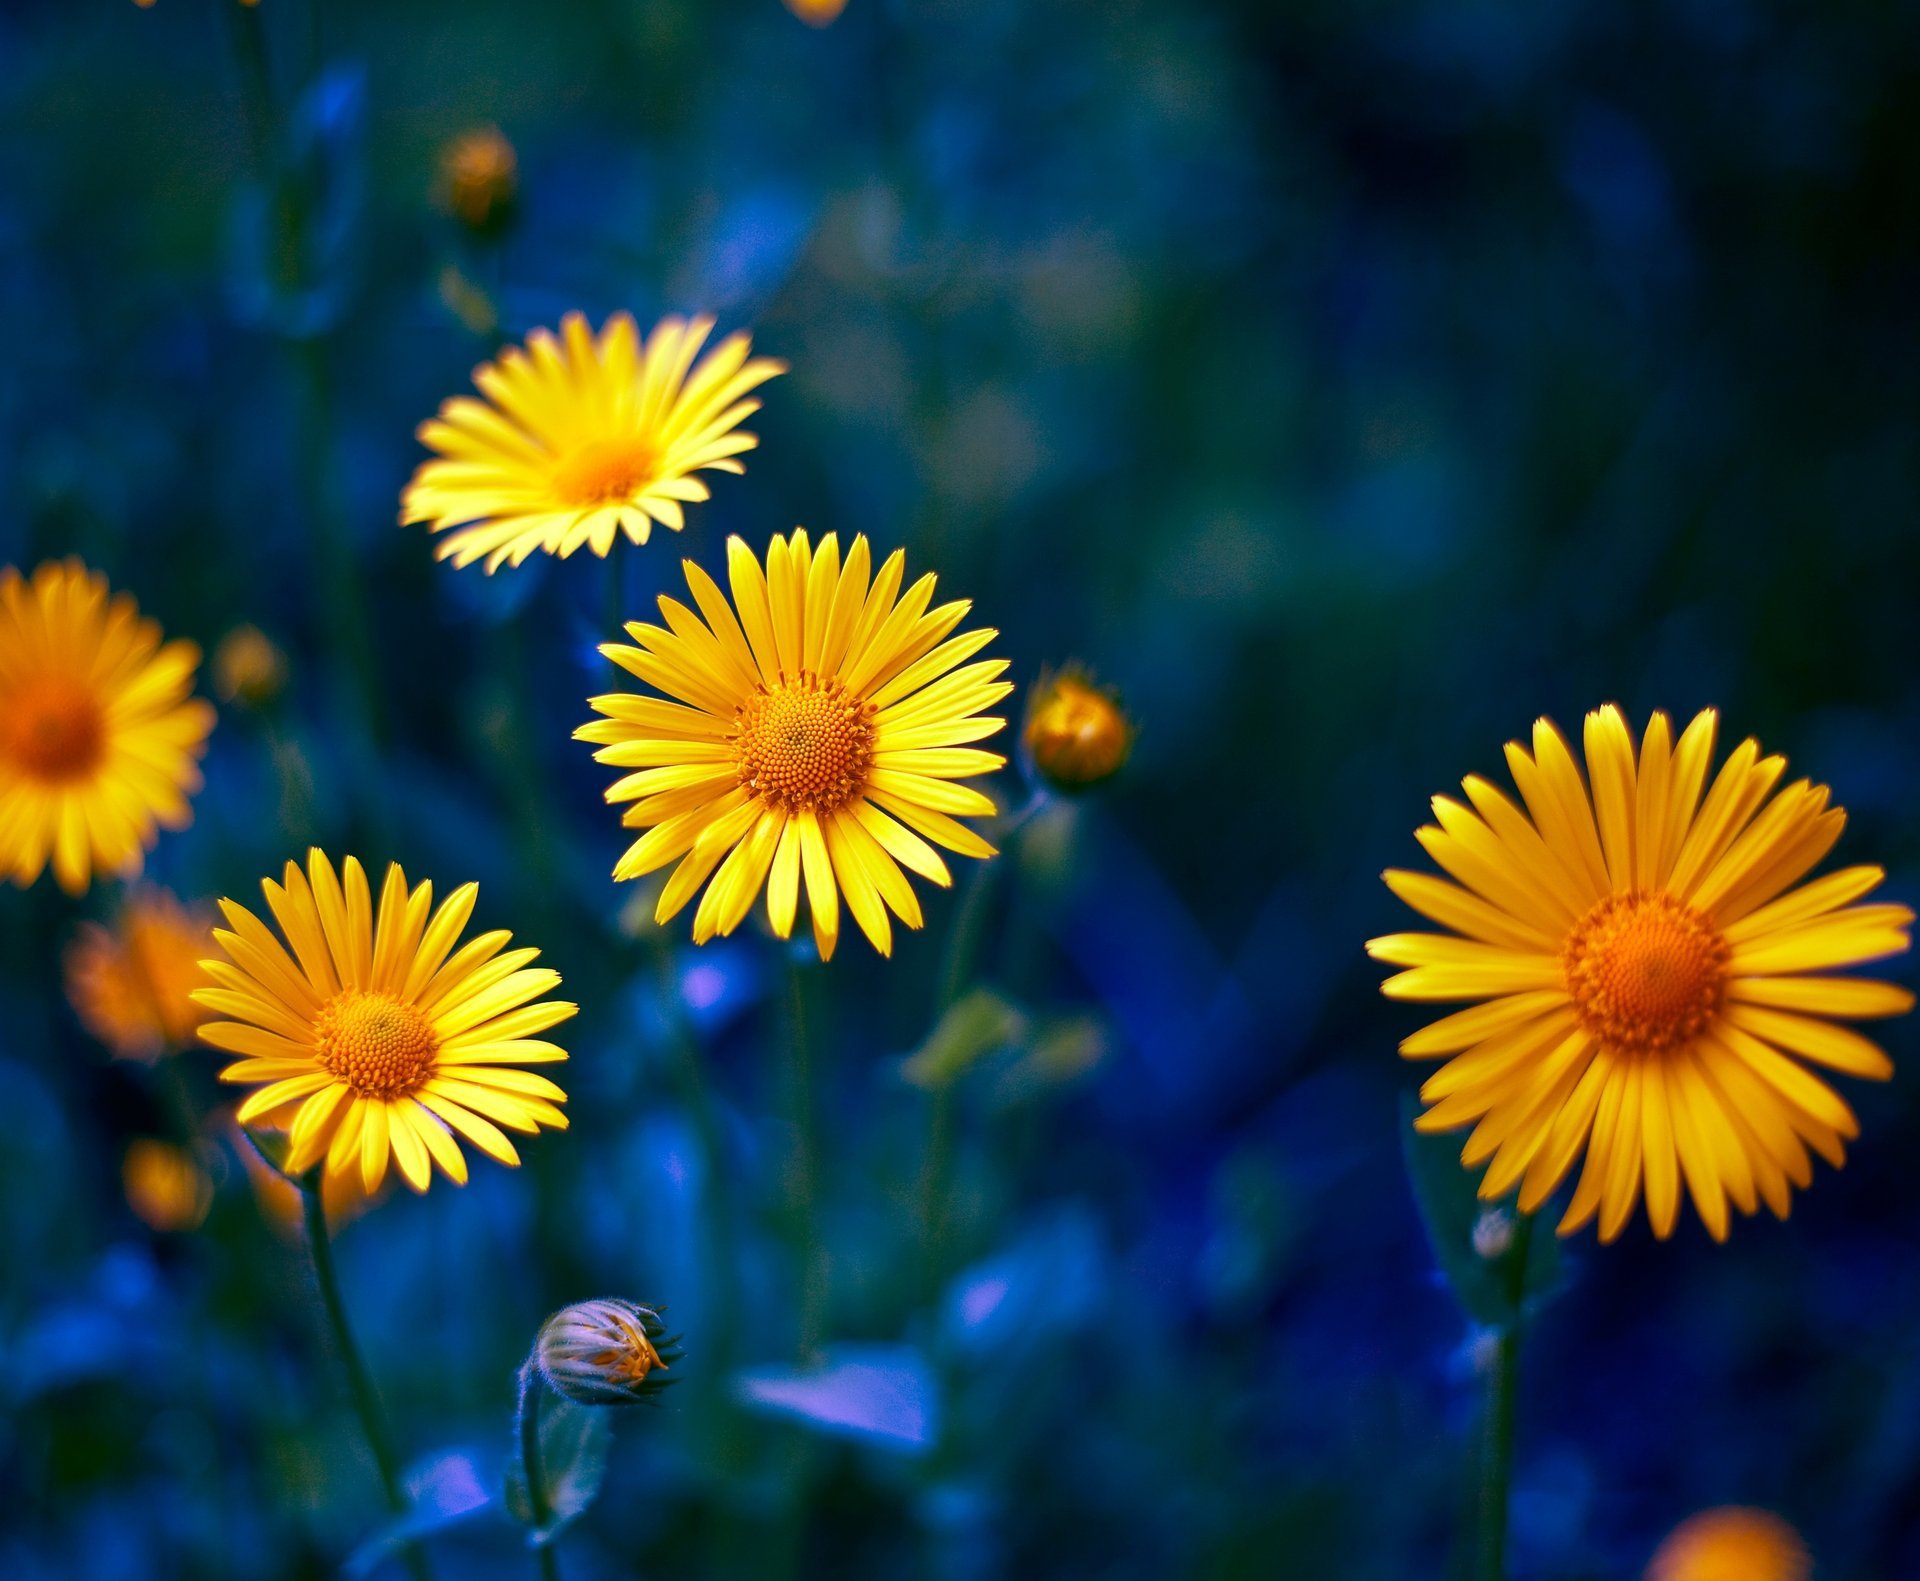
[131,983]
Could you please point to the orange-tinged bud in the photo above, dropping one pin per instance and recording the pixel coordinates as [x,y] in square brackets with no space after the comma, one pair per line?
[1076,732]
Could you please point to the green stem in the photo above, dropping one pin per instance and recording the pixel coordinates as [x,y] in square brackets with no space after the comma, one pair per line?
[805,1176]
[1496,1456]
[539,1505]
[359,1382]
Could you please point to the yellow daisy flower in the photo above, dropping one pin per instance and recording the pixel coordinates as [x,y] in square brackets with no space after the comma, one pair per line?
[99,732]
[1649,980]
[132,984]
[1732,1544]
[580,439]
[818,734]
[375,1038]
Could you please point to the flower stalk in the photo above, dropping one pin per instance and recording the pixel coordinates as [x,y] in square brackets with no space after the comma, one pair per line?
[366,1402]
[1496,1449]
[539,1502]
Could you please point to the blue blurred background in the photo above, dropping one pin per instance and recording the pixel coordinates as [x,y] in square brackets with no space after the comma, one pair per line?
[1348,383]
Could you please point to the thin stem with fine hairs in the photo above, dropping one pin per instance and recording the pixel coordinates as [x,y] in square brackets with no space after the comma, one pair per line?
[359,1382]
[805,1177]
[539,1505]
[1496,1449]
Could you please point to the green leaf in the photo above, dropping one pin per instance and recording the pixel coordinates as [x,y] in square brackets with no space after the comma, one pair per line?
[273,1147]
[1495,1279]
[1061,1051]
[979,1024]
[574,1440]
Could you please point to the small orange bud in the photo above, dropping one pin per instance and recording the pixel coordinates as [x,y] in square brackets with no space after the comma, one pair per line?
[1076,732]
[248,668]
[607,1352]
[480,177]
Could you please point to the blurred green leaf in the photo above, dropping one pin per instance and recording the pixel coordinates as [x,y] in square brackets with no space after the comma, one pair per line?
[574,1440]
[976,1025]
[441,1492]
[1475,1242]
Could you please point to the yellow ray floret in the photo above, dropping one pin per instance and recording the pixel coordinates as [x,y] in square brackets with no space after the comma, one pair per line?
[1648,985]
[371,1036]
[99,731]
[581,438]
[813,734]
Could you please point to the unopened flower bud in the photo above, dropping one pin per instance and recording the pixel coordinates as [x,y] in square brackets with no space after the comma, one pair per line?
[248,668]
[607,1352]
[1076,732]
[480,177]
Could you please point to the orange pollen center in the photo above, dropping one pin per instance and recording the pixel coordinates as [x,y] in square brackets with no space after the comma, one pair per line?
[375,1042]
[54,730]
[605,471]
[1646,972]
[806,743]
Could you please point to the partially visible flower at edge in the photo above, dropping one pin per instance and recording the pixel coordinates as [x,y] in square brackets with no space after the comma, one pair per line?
[167,1186]
[581,438]
[375,1040]
[1076,732]
[1645,976]
[1732,1544]
[131,982]
[605,1352]
[99,731]
[818,731]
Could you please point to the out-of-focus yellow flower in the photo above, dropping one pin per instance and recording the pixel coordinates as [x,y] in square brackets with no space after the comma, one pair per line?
[166,1186]
[583,438]
[248,668]
[1076,732]
[817,733]
[1732,1544]
[479,178]
[1647,981]
[606,1352]
[99,730]
[815,13]
[375,1040]
[132,983]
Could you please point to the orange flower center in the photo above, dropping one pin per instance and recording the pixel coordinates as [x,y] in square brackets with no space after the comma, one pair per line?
[806,743]
[1646,972]
[604,471]
[375,1042]
[54,730]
